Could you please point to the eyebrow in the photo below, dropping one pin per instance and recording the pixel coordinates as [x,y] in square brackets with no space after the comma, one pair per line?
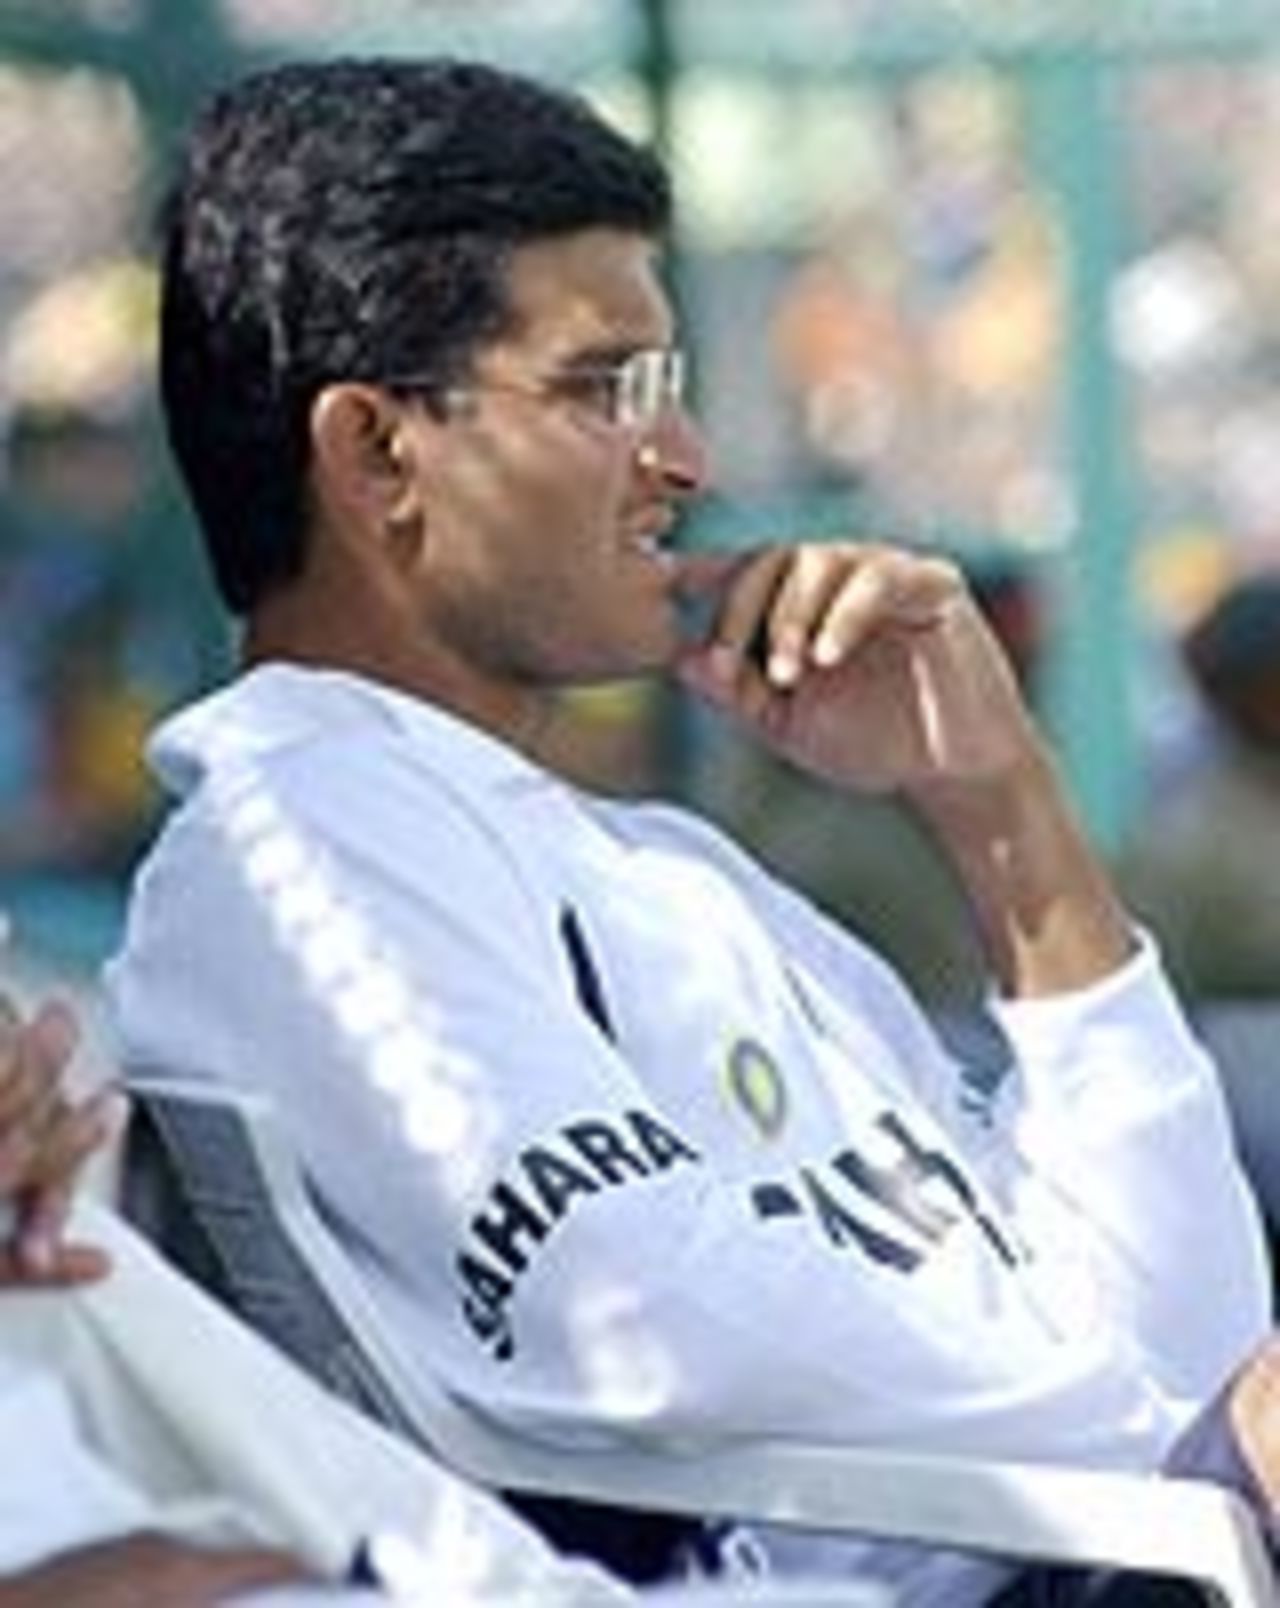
[612,353]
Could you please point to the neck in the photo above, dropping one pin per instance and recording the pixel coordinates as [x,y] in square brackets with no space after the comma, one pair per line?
[362,636]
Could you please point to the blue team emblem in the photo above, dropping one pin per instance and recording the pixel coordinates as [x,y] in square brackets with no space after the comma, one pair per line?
[756,1087]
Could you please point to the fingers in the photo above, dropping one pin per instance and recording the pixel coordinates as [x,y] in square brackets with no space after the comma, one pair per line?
[38,1252]
[66,1265]
[45,1142]
[72,1135]
[49,1140]
[890,589]
[34,1057]
[786,611]
[799,625]
[743,627]
[725,598]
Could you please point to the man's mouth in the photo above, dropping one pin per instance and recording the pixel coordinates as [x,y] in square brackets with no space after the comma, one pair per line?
[648,537]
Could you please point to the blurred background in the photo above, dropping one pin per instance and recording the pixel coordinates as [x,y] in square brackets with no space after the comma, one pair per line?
[1001,276]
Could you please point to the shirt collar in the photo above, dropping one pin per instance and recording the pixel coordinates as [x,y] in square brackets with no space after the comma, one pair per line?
[274,706]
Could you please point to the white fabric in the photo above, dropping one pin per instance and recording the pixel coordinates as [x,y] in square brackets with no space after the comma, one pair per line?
[359,908]
[65,1496]
[141,1404]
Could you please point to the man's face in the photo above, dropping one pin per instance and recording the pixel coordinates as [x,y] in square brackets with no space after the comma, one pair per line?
[545,513]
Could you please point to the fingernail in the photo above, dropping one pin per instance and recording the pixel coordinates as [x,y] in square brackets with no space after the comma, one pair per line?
[113,1113]
[784,668]
[59,1030]
[722,661]
[826,652]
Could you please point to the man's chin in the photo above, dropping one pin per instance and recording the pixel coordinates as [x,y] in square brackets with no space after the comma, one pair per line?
[638,661]
[662,656]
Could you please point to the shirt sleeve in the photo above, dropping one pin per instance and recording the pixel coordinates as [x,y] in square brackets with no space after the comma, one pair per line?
[1118,1107]
[1112,1114]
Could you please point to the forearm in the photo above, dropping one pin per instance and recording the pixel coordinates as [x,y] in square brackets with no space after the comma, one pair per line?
[1049,919]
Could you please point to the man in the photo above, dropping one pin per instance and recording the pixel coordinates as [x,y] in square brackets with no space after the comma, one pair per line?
[628,1141]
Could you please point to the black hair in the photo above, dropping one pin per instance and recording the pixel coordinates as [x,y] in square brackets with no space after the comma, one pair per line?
[352,220]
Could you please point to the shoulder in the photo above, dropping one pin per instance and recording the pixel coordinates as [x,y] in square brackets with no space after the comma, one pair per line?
[680,831]
[333,755]
[341,788]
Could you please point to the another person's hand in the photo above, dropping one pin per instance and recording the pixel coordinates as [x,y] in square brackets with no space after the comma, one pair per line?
[870,666]
[46,1138]
[1253,1408]
[148,1571]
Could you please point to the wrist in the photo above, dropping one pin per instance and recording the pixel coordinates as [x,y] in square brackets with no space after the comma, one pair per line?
[1049,918]
[968,813]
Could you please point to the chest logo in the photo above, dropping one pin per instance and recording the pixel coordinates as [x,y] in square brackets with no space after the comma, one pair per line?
[754,1082]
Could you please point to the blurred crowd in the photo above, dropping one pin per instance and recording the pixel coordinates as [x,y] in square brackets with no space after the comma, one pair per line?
[903,256]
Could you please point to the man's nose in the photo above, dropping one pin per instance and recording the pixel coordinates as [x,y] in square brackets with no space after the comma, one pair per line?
[675,452]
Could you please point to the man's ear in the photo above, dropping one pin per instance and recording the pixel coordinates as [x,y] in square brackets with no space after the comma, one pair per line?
[365,458]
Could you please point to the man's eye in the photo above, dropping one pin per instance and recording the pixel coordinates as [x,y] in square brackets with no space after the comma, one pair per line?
[595,389]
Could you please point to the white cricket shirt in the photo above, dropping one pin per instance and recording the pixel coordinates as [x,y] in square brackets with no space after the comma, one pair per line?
[629,1140]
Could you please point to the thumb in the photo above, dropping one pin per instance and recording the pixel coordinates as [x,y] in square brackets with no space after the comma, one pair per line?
[711,671]
[708,572]
[55,1032]
[700,583]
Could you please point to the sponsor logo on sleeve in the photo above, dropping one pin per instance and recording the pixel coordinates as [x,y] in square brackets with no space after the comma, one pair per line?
[544,1184]
[891,1201]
